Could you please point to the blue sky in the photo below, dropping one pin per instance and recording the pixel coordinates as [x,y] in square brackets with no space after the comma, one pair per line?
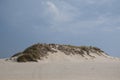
[75,22]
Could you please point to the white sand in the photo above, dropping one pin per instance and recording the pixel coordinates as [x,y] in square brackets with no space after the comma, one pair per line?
[64,68]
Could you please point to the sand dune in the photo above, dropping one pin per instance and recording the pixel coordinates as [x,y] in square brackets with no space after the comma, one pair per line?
[61,63]
[50,51]
[61,69]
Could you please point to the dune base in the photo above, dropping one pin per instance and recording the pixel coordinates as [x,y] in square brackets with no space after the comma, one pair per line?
[59,70]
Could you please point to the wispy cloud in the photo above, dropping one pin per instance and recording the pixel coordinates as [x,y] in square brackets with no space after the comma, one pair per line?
[67,18]
[52,8]
[60,12]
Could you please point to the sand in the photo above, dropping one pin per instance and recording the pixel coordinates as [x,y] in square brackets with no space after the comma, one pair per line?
[59,66]
[61,70]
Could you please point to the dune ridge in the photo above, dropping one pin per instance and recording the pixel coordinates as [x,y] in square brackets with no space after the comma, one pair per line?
[60,62]
[39,51]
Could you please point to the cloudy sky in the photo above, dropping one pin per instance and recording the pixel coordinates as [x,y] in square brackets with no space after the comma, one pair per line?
[75,22]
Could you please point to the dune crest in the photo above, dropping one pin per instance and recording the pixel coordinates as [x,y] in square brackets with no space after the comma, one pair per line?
[58,52]
[60,62]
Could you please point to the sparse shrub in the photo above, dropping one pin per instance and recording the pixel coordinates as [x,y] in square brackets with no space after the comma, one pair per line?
[26,58]
[40,51]
[17,54]
[97,49]
[85,48]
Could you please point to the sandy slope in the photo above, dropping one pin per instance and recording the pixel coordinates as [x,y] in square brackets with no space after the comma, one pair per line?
[61,70]
[92,65]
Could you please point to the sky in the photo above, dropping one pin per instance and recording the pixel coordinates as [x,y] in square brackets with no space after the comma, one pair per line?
[75,22]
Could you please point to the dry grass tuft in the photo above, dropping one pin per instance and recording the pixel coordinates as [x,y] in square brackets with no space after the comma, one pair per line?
[40,51]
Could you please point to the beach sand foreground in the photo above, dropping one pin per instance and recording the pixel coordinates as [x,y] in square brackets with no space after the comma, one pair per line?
[59,70]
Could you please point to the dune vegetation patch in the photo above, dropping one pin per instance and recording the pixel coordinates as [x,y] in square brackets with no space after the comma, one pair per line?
[40,51]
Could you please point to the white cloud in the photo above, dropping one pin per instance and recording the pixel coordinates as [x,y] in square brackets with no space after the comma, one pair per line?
[60,12]
[52,8]
[54,12]
[67,18]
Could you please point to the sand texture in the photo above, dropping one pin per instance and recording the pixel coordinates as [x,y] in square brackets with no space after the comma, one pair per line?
[59,70]
[60,62]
